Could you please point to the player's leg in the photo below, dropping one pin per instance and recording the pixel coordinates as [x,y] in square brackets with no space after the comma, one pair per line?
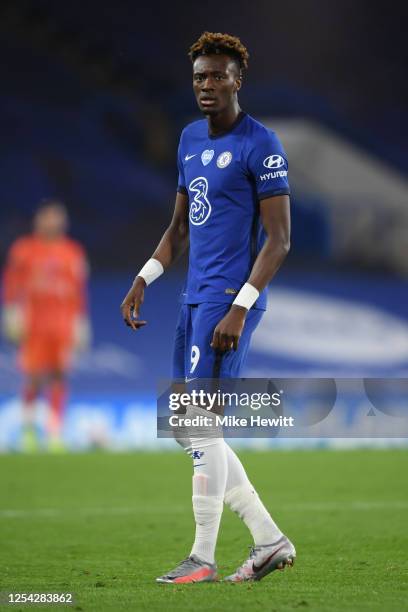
[31,359]
[57,396]
[240,495]
[209,478]
[209,481]
[272,548]
[193,568]
[207,449]
[59,357]
[30,393]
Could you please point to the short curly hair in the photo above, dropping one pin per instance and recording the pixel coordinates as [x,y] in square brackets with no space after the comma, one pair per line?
[215,43]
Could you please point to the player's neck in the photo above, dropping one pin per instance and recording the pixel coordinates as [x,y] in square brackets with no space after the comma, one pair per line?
[223,122]
[48,237]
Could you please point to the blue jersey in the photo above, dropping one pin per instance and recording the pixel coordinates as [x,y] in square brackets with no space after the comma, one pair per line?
[225,177]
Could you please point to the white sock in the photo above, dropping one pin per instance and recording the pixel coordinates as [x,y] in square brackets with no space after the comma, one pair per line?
[209,481]
[242,498]
[207,513]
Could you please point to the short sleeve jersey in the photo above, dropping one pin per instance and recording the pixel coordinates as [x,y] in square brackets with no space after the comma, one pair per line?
[225,177]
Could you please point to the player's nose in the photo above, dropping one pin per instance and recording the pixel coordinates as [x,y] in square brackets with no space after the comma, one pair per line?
[207,85]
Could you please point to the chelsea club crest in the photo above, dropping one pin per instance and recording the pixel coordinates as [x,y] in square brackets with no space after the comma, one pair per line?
[224,159]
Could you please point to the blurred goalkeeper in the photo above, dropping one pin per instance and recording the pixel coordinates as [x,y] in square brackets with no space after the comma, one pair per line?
[45,314]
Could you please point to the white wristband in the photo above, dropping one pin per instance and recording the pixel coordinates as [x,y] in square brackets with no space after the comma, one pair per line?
[151,270]
[247,296]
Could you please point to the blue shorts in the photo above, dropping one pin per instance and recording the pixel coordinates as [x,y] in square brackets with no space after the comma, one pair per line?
[193,356]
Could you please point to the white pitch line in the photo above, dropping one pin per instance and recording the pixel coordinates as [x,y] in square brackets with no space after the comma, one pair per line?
[293,507]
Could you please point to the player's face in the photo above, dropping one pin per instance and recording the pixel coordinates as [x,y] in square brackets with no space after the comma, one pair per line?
[215,82]
[50,222]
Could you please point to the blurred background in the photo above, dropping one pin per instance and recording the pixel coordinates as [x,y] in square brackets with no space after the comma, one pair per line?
[92,102]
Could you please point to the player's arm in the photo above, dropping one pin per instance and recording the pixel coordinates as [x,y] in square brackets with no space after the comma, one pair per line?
[15,273]
[173,243]
[14,287]
[175,239]
[275,217]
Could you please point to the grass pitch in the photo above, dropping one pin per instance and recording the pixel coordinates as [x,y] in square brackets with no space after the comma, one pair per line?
[104,526]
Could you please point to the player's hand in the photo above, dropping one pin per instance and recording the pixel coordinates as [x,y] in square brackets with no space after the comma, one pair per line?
[228,331]
[130,306]
[82,333]
[12,323]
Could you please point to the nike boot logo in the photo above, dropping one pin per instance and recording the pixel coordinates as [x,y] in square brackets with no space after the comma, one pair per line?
[260,567]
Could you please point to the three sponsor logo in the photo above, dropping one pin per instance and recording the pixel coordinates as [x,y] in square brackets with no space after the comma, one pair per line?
[200,207]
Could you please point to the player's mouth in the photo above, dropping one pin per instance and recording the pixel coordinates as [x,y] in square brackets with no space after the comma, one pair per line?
[207,102]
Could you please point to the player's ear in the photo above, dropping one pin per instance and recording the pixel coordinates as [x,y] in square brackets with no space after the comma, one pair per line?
[238,83]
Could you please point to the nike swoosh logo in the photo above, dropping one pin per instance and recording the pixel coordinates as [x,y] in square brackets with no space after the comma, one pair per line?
[187,157]
[190,379]
[260,567]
